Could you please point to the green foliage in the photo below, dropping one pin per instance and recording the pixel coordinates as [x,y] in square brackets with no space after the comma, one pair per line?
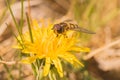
[93,14]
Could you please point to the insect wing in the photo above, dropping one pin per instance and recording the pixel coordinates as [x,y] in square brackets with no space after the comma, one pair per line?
[80,29]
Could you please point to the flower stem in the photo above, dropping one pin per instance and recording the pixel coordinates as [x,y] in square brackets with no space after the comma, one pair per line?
[34,69]
[52,75]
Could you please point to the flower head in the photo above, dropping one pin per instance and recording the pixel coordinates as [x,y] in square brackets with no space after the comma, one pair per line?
[52,49]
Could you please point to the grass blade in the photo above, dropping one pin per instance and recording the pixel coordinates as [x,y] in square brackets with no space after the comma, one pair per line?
[22,18]
[14,19]
[29,27]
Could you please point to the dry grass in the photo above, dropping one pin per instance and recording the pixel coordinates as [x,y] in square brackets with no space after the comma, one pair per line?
[101,16]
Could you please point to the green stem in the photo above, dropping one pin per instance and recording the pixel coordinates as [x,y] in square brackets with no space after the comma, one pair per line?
[29,26]
[52,76]
[22,20]
[14,19]
[34,69]
[38,63]
[20,67]
[19,41]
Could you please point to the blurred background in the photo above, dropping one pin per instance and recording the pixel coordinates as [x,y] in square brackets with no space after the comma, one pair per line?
[99,16]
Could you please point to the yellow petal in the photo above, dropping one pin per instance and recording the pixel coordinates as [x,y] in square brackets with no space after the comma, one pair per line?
[77,63]
[46,67]
[58,66]
[82,49]
[35,23]
[71,59]
[17,47]
[29,60]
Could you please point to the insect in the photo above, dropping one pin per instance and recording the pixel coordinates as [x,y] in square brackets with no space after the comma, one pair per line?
[63,27]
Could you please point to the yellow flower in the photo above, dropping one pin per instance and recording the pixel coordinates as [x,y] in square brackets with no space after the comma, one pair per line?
[47,46]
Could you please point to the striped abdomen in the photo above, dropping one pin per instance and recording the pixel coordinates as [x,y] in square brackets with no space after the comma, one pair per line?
[75,27]
[72,26]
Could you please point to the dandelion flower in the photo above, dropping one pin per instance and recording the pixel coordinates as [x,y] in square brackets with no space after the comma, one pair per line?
[52,49]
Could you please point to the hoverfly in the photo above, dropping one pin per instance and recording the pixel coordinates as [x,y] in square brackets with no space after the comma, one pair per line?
[63,27]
